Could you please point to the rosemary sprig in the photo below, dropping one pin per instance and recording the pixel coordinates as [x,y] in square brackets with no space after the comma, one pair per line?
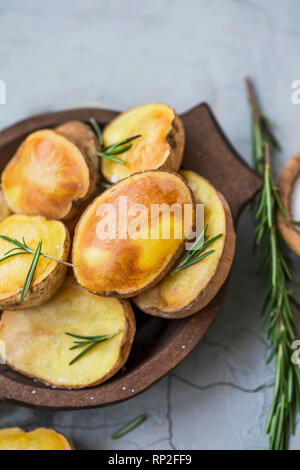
[277,312]
[134,423]
[193,255]
[115,149]
[21,248]
[89,341]
[31,271]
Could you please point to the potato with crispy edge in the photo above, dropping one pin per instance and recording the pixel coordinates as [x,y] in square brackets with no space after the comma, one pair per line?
[119,262]
[36,343]
[49,273]
[186,292]
[4,209]
[286,183]
[160,146]
[39,439]
[53,173]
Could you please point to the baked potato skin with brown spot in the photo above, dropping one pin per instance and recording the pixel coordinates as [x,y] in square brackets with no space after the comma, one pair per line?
[39,439]
[53,173]
[124,267]
[191,289]
[37,346]
[160,146]
[49,274]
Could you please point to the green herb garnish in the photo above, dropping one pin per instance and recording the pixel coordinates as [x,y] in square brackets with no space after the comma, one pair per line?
[278,317]
[296,222]
[129,426]
[193,255]
[89,341]
[21,248]
[31,271]
[115,149]
[104,184]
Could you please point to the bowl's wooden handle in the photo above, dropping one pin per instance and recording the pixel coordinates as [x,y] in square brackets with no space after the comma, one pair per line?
[210,153]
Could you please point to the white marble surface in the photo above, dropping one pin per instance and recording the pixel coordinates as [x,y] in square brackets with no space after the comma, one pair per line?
[57,54]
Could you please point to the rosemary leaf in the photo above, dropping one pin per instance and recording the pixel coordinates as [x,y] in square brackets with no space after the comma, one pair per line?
[90,341]
[193,255]
[31,271]
[97,130]
[104,184]
[296,222]
[109,151]
[129,426]
[111,158]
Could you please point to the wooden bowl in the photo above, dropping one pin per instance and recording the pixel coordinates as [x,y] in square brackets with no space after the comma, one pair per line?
[160,344]
[286,183]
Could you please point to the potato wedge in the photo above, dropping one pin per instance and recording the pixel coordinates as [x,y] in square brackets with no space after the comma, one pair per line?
[36,344]
[161,143]
[286,183]
[116,264]
[53,172]
[39,439]
[4,209]
[188,291]
[49,274]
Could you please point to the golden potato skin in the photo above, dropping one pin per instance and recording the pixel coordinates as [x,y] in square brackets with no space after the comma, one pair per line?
[4,209]
[39,439]
[188,291]
[287,179]
[53,172]
[160,146]
[49,274]
[125,267]
[36,344]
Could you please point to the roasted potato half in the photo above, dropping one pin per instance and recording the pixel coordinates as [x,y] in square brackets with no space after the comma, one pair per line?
[188,291]
[4,209]
[36,343]
[53,173]
[39,439]
[121,246]
[161,143]
[49,273]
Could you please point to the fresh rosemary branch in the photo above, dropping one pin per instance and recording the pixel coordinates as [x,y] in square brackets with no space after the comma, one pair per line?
[21,248]
[134,423]
[193,255]
[89,341]
[115,149]
[31,271]
[278,318]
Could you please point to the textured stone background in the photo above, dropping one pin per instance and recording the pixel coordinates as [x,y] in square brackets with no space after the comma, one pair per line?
[57,54]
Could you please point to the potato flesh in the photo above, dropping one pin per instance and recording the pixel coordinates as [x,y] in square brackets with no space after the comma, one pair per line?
[36,343]
[39,439]
[177,291]
[45,176]
[153,122]
[122,267]
[13,271]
